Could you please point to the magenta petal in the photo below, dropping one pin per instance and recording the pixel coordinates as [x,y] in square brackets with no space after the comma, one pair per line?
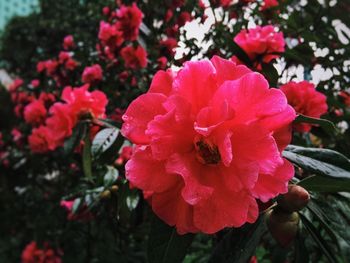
[139,113]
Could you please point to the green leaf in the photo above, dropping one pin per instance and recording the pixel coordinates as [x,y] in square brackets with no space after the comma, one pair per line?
[240,53]
[301,253]
[165,245]
[325,155]
[325,184]
[111,176]
[76,205]
[87,163]
[103,140]
[270,72]
[315,235]
[326,125]
[324,221]
[239,244]
[318,166]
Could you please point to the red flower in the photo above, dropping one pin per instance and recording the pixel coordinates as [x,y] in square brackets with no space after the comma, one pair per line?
[169,45]
[68,42]
[110,35]
[15,84]
[134,57]
[33,254]
[345,97]
[261,43]
[41,140]
[183,18]
[35,83]
[267,4]
[209,143]
[92,74]
[79,104]
[304,98]
[129,20]
[35,112]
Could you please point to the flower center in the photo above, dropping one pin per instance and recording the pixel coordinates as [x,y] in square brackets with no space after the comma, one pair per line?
[207,153]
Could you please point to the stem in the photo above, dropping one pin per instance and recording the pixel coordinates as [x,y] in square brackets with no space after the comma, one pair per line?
[87,157]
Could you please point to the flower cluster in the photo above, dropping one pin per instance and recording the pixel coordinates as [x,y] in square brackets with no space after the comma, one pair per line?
[33,254]
[209,141]
[78,104]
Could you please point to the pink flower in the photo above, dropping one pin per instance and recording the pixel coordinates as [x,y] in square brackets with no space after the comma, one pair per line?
[129,20]
[208,144]
[304,98]
[33,254]
[35,112]
[92,74]
[110,35]
[68,42]
[134,57]
[41,140]
[35,83]
[261,43]
[15,84]
[78,104]
[82,103]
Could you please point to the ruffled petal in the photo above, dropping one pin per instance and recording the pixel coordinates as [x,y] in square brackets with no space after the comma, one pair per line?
[139,113]
[148,174]
[270,185]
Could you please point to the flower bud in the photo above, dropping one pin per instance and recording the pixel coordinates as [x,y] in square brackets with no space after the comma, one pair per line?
[295,200]
[114,188]
[283,226]
[105,194]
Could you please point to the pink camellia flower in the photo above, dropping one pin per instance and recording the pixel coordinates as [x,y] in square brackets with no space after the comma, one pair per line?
[129,21]
[41,140]
[68,42]
[92,74]
[304,98]
[82,103]
[208,144]
[35,112]
[134,57]
[110,35]
[261,43]
[33,254]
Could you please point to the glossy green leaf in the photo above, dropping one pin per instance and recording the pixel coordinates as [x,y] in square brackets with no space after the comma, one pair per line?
[324,221]
[104,140]
[319,183]
[316,166]
[326,125]
[165,245]
[324,155]
[239,244]
[318,239]
[111,176]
